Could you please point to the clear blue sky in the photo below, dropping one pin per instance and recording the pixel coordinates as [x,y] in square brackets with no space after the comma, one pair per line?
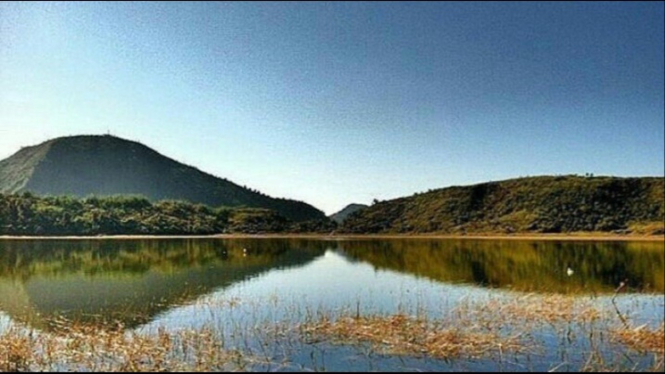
[333,103]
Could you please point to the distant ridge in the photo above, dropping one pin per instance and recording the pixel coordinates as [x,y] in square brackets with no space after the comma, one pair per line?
[106,165]
[340,216]
[544,204]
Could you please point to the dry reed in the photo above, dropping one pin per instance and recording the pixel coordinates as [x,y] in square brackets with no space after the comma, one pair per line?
[643,338]
[488,329]
[82,349]
[403,335]
[534,308]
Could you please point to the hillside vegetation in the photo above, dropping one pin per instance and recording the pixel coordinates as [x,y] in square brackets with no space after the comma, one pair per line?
[27,214]
[340,216]
[80,166]
[547,204]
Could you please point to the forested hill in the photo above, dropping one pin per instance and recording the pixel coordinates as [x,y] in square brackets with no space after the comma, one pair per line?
[545,204]
[80,166]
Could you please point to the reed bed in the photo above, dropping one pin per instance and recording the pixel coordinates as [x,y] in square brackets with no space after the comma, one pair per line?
[403,335]
[642,338]
[540,309]
[85,349]
[648,342]
[489,330]
[494,329]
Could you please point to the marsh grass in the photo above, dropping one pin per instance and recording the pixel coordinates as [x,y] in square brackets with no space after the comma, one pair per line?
[403,335]
[492,331]
[532,309]
[648,342]
[15,352]
[498,329]
[642,338]
[471,330]
[82,348]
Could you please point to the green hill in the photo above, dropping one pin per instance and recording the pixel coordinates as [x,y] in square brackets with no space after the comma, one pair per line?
[80,166]
[545,204]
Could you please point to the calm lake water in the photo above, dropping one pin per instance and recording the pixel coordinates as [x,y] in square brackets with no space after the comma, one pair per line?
[242,284]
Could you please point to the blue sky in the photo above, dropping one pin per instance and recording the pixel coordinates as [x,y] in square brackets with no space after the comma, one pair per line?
[333,103]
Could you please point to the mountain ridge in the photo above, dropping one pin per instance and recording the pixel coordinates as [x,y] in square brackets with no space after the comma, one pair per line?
[106,165]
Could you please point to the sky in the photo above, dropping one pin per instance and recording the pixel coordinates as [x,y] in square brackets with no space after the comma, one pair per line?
[338,103]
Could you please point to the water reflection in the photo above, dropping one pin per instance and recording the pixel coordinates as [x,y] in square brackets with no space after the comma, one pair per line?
[129,282]
[534,266]
[132,281]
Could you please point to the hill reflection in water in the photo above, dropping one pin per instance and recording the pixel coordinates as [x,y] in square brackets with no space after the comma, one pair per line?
[129,281]
[103,282]
[531,266]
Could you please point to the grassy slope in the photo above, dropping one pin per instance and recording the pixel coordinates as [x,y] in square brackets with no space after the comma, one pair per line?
[17,170]
[536,204]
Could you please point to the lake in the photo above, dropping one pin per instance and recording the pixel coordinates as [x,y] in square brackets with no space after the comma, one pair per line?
[283,304]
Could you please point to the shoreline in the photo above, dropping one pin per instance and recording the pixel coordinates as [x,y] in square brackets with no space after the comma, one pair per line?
[334,237]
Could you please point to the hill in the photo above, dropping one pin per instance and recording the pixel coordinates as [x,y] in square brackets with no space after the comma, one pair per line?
[545,204]
[105,165]
[340,216]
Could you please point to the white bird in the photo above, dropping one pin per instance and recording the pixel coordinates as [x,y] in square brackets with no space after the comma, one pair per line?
[569,271]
